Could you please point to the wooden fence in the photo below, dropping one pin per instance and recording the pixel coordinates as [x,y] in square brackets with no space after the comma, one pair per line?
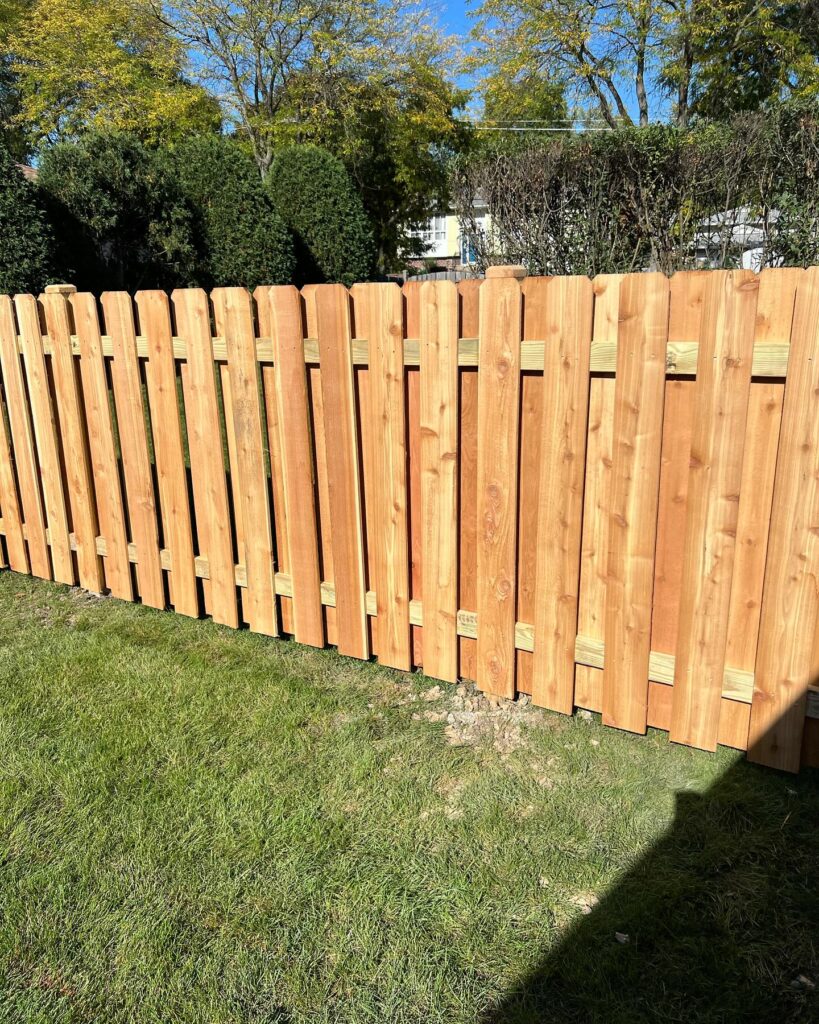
[603,493]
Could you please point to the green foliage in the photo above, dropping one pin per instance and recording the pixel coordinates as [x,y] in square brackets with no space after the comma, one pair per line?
[659,197]
[120,219]
[531,97]
[314,195]
[245,242]
[25,234]
[110,65]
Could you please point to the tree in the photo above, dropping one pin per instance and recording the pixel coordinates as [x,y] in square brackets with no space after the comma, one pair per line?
[394,132]
[12,133]
[532,98]
[105,64]
[25,234]
[314,195]
[245,242]
[257,54]
[120,220]
[624,57]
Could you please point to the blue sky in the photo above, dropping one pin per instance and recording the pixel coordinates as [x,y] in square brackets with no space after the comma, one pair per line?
[453,17]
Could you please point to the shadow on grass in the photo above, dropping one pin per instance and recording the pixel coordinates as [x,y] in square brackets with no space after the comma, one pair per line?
[718,923]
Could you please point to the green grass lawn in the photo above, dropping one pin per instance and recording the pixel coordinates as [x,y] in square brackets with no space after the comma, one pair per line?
[202,825]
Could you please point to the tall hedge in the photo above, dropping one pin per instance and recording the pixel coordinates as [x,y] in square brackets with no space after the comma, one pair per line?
[120,219]
[316,198]
[25,234]
[243,239]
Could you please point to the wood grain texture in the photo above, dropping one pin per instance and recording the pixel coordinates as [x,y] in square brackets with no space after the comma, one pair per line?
[107,486]
[597,493]
[233,313]
[133,440]
[379,316]
[76,455]
[45,436]
[22,440]
[332,303]
[638,417]
[210,493]
[569,304]
[685,313]
[169,457]
[790,601]
[297,465]
[412,329]
[498,432]
[439,477]
[726,343]
[469,298]
[10,503]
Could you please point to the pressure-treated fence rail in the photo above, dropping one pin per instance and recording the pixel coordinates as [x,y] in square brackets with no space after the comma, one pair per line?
[604,493]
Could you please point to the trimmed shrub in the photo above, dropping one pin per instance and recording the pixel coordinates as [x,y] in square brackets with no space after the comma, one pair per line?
[25,234]
[315,196]
[245,241]
[120,220]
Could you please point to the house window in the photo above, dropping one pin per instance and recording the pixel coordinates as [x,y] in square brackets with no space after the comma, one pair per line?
[434,236]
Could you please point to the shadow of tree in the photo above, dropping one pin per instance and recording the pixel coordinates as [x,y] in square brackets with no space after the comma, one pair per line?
[718,923]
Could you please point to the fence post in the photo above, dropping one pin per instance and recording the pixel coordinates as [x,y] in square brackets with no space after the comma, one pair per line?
[507,270]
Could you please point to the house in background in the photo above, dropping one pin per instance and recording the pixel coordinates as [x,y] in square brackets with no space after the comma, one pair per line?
[447,247]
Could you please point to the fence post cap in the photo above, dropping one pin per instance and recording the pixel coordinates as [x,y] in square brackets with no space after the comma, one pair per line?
[61,289]
[510,270]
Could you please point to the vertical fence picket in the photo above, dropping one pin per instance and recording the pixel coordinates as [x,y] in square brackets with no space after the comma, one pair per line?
[76,454]
[379,318]
[468,302]
[9,502]
[45,435]
[638,416]
[133,442]
[110,509]
[597,493]
[569,311]
[169,456]
[724,364]
[332,304]
[22,452]
[234,321]
[439,477]
[297,467]
[210,496]
[275,440]
[789,602]
[498,433]
[412,329]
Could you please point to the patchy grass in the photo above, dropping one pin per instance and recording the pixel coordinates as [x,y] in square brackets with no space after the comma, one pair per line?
[202,825]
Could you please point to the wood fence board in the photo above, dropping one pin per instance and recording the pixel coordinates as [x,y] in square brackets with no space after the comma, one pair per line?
[439,476]
[234,478]
[369,487]
[133,440]
[234,319]
[297,468]
[535,325]
[107,485]
[10,503]
[343,467]
[198,489]
[687,289]
[169,457]
[726,344]
[75,448]
[210,494]
[22,450]
[789,604]
[45,436]
[281,523]
[775,304]
[569,308]
[597,493]
[468,296]
[498,433]
[638,415]
[379,317]
[412,329]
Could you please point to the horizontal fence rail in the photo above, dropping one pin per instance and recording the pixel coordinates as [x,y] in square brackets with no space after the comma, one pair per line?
[602,493]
